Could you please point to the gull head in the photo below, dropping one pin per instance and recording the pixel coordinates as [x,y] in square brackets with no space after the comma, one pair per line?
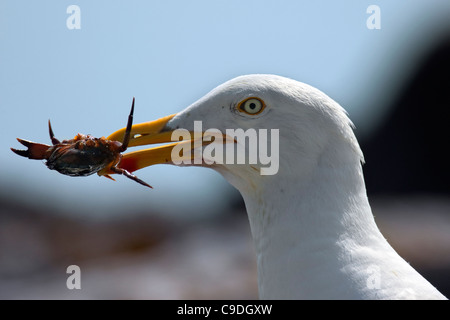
[255,127]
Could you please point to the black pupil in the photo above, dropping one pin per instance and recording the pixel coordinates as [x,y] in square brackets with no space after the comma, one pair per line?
[252,105]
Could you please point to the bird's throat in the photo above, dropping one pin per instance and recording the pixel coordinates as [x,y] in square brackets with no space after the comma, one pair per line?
[301,230]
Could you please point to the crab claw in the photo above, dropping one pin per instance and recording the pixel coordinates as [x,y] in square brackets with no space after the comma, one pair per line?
[37,151]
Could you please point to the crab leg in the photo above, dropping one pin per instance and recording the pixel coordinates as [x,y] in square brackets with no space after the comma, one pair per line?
[52,135]
[129,175]
[126,138]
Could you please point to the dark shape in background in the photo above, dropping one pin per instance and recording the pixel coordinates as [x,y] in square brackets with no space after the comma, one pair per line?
[408,152]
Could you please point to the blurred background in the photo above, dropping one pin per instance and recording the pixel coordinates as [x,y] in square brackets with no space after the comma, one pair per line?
[189,237]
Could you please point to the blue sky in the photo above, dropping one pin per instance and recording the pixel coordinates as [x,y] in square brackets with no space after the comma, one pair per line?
[168,54]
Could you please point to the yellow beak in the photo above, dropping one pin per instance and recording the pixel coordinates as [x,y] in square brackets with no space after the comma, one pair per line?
[144,134]
[152,132]
[156,132]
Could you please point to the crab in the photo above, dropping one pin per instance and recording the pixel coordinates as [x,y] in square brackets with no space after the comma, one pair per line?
[83,155]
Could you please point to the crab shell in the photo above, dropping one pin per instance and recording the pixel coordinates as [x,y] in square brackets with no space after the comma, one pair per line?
[83,155]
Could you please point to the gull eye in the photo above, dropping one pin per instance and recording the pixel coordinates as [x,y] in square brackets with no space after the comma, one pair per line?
[251,106]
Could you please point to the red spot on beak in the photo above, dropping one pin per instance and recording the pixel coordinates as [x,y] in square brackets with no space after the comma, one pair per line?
[128,164]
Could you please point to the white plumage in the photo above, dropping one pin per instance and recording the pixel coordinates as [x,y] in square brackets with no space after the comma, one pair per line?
[312,225]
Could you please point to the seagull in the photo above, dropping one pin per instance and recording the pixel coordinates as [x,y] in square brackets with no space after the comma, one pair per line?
[314,233]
